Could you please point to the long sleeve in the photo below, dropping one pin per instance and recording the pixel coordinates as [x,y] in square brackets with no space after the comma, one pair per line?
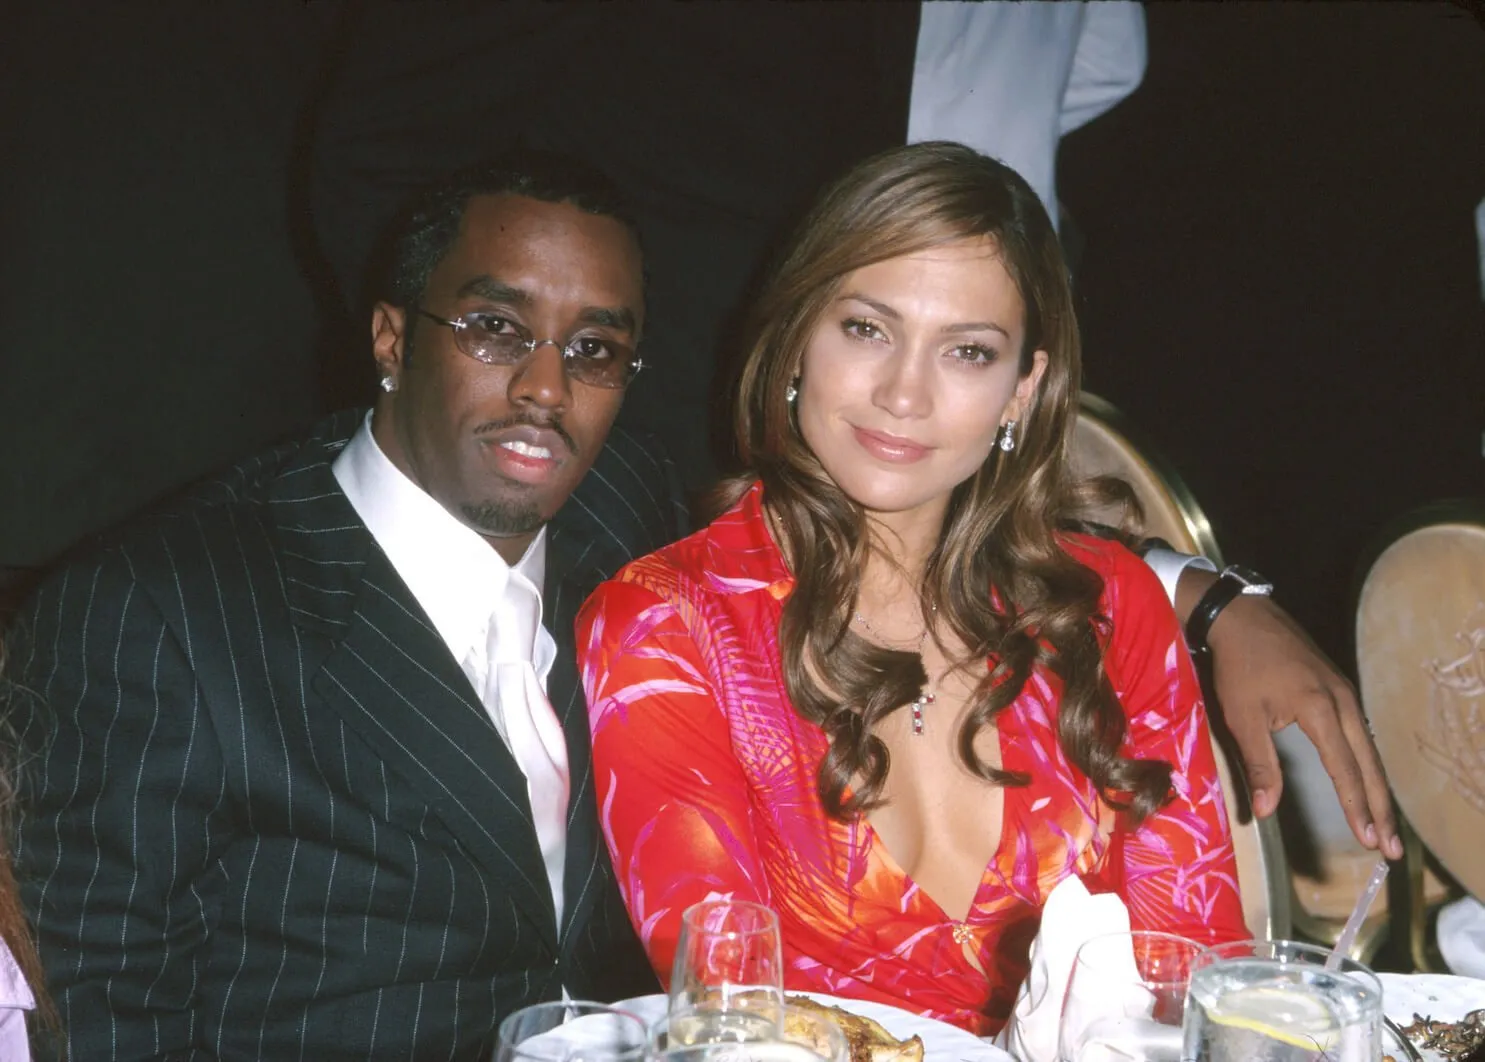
[122,786]
[1179,873]
[673,801]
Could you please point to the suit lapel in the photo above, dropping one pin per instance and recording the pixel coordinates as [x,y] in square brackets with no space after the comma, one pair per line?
[572,576]
[392,679]
[385,670]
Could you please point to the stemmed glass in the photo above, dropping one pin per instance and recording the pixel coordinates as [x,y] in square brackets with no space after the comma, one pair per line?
[729,966]
[571,1031]
[1126,998]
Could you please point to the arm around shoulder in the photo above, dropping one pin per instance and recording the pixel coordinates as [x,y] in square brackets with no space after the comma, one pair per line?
[1268,673]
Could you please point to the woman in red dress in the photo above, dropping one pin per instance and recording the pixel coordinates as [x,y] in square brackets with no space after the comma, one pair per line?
[890,692]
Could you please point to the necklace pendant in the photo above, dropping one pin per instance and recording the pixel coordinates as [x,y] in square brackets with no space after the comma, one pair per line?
[962,933]
[924,700]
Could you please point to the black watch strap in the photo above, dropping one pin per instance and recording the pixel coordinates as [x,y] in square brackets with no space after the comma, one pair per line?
[1232,583]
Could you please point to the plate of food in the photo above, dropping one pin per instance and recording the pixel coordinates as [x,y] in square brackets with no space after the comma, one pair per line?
[1442,1016]
[875,1032]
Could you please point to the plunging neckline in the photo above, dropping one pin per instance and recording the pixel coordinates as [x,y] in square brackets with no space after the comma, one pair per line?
[877,844]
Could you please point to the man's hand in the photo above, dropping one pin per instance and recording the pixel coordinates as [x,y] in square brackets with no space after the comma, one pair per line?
[1266,674]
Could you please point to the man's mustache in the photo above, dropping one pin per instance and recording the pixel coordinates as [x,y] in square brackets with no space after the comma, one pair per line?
[552,424]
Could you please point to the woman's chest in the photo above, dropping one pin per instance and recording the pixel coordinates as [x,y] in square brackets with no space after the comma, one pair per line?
[997,846]
[957,849]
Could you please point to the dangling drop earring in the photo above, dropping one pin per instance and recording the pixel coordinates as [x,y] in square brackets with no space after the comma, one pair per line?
[1008,437]
[791,393]
[389,383]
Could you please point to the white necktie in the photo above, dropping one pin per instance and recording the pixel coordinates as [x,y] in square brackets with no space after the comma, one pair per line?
[532,729]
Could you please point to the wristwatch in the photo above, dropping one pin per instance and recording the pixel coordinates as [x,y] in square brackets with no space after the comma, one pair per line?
[1235,581]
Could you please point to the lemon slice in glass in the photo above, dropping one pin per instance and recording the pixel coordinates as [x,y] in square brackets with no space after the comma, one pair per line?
[1289,1014]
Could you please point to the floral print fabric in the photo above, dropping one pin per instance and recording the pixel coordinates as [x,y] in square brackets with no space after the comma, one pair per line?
[706,786]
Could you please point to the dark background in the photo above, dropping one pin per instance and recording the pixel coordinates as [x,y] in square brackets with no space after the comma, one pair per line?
[1279,276]
[1281,283]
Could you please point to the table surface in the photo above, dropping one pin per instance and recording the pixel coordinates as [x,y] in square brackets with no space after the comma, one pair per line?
[1442,997]
[941,1042]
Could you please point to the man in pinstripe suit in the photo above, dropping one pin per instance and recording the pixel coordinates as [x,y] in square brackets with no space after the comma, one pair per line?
[270,813]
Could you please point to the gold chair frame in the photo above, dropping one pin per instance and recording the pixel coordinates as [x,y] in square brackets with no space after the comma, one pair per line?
[1181,521]
[1197,536]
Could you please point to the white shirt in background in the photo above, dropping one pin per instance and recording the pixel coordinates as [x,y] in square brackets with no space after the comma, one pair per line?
[1480,237]
[1010,78]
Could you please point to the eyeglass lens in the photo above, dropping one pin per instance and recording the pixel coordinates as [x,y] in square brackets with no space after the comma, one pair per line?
[591,359]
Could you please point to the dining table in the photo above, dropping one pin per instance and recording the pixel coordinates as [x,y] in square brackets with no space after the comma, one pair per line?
[1405,998]
[941,1041]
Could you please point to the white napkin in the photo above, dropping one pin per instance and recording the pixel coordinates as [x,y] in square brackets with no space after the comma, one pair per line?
[1070,917]
[1461,930]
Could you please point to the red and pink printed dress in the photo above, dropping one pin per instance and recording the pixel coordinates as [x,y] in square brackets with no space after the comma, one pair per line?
[706,786]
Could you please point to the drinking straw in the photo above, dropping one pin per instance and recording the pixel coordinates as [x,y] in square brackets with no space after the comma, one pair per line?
[1358,915]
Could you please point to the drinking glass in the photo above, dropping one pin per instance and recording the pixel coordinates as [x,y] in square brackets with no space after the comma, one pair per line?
[1275,1001]
[1125,998]
[571,1031]
[729,957]
[741,1035]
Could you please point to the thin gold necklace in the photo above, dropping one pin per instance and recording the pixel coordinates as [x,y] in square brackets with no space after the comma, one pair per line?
[926,695]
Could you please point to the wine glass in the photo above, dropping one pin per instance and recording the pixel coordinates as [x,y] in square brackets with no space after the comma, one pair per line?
[571,1031]
[1282,1002]
[729,958]
[1126,998]
[743,1035]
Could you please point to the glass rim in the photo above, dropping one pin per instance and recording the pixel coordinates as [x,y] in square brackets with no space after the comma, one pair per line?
[582,1006]
[691,917]
[1146,934]
[1288,953]
[1192,948]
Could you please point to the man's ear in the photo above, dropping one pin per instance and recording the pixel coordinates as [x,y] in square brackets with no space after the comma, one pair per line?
[388,331]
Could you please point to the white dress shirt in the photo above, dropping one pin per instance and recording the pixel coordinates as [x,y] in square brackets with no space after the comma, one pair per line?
[1168,565]
[1010,78]
[459,580]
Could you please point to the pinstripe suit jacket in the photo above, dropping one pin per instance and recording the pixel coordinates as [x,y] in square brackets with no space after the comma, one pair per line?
[267,816]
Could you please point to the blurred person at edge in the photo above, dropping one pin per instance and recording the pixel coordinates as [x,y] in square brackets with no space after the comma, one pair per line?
[21,979]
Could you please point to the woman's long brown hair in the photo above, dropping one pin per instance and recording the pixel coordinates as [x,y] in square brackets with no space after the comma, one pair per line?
[15,928]
[999,577]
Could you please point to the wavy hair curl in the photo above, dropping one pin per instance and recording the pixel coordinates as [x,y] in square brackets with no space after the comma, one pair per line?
[15,926]
[999,576]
